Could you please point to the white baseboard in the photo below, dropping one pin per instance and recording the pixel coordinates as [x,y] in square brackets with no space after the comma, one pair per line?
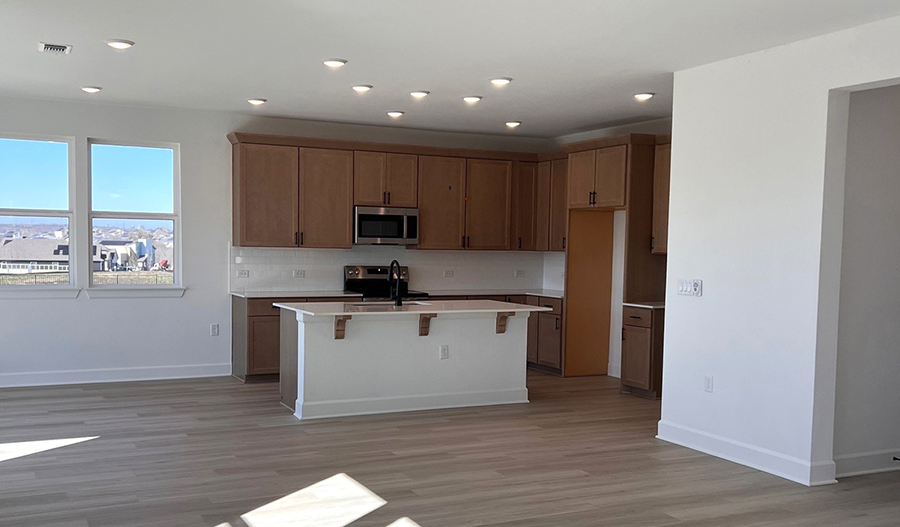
[867,462]
[382,405]
[775,463]
[146,373]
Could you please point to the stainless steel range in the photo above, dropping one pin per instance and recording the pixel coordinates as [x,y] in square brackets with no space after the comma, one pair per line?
[374,284]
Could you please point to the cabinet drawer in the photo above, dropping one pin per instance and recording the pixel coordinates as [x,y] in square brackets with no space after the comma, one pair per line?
[516,299]
[553,303]
[633,316]
[260,307]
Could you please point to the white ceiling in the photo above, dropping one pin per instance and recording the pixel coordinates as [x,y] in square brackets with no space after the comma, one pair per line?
[576,63]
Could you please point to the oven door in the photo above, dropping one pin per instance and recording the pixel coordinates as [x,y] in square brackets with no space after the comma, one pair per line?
[382,226]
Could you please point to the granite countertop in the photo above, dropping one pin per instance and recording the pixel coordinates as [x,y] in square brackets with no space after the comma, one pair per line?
[411,307]
[646,305]
[550,293]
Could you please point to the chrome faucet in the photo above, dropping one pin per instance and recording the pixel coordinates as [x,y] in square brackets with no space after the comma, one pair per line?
[398,300]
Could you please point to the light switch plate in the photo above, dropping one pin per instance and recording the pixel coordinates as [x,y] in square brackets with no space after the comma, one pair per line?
[445,351]
[690,287]
[708,383]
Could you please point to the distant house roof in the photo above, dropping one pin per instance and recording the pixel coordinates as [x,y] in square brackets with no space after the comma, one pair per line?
[36,250]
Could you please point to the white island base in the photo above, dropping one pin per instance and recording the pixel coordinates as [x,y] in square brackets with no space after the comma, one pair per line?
[375,361]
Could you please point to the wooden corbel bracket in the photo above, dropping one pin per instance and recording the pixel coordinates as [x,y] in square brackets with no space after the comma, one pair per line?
[501,320]
[340,326]
[425,323]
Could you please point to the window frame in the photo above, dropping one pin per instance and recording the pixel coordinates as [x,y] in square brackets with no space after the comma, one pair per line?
[69,289]
[131,290]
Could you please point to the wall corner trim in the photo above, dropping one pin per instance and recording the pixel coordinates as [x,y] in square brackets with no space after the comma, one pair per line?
[775,463]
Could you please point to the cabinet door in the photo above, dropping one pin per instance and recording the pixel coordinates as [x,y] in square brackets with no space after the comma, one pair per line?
[264,343]
[266,196]
[488,185]
[549,345]
[523,238]
[636,350]
[542,207]
[581,179]
[442,207]
[533,330]
[610,165]
[326,198]
[559,211]
[370,179]
[402,180]
[661,198]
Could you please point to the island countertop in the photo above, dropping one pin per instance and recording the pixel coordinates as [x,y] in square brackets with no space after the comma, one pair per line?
[413,307]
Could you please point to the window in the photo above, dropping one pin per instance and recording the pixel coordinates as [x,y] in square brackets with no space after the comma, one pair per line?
[35,212]
[134,215]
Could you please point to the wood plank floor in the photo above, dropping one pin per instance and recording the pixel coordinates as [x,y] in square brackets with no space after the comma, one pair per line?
[201,452]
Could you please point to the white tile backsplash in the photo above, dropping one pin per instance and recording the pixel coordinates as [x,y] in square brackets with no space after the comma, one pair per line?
[554,271]
[272,269]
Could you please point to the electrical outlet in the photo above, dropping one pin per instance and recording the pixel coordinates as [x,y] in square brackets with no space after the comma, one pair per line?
[445,351]
[213,330]
[519,273]
[299,273]
[708,383]
[243,273]
[448,274]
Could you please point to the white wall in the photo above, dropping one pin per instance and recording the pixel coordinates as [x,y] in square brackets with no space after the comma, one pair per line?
[867,401]
[84,340]
[749,186]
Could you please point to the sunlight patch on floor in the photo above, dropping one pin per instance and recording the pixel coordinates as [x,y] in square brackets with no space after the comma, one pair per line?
[26,448]
[404,522]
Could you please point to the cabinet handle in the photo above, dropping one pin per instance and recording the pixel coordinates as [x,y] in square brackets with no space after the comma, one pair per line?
[634,317]
[301,237]
[464,242]
[383,197]
[520,242]
[564,242]
[557,322]
[389,198]
[623,334]
[296,238]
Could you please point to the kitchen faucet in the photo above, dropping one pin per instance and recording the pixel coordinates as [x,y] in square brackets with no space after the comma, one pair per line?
[398,300]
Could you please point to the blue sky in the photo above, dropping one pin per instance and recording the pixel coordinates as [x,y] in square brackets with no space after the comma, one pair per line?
[34,175]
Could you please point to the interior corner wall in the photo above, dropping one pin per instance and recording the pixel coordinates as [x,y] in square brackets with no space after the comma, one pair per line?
[748,216]
[867,401]
[56,341]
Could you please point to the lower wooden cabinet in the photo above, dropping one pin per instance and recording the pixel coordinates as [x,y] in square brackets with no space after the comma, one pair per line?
[263,345]
[549,340]
[642,341]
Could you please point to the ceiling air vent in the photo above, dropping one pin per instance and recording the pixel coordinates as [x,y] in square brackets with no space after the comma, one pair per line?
[56,49]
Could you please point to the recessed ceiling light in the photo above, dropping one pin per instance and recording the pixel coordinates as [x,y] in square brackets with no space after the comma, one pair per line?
[513,124]
[362,88]
[91,89]
[501,81]
[419,94]
[395,114]
[472,99]
[118,43]
[256,102]
[335,63]
[644,96]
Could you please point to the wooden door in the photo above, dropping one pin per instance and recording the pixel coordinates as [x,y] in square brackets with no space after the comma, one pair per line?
[636,357]
[542,207]
[370,179]
[549,334]
[580,179]
[661,198]
[533,330]
[266,196]
[559,211]
[610,169]
[488,184]
[263,345]
[326,198]
[523,238]
[442,206]
[402,180]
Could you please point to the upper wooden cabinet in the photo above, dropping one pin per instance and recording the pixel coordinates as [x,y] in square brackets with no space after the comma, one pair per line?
[559,211]
[326,198]
[265,195]
[385,180]
[488,184]
[524,210]
[442,206]
[661,198]
[542,204]
[597,178]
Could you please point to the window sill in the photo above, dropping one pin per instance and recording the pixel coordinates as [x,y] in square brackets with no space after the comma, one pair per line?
[30,291]
[135,292]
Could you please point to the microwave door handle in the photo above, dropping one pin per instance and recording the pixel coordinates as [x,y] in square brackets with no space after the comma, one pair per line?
[405,227]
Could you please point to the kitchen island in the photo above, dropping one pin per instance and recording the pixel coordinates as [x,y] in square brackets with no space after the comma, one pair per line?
[354,358]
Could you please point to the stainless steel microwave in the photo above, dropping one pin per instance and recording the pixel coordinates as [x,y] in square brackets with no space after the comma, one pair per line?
[385,226]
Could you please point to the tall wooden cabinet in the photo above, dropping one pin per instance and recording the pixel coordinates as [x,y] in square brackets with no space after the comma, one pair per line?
[661,195]
[442,205]
[265,195]
[559,210]
[326,198]
[597,178]
[488,185]
[381,179]
[524,207]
